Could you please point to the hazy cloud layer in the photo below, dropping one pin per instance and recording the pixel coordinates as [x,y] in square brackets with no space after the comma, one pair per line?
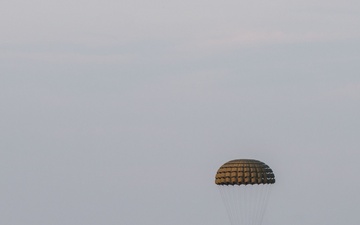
[121,112]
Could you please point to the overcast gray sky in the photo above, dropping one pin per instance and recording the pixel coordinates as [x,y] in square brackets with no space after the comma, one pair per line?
[120,112]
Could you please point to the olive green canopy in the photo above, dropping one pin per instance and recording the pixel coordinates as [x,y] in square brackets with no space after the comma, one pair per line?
[243,172]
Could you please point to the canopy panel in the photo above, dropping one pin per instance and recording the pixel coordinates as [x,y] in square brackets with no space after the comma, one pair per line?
[243,172]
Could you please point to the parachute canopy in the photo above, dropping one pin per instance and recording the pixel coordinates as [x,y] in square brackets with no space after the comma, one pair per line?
[243,172]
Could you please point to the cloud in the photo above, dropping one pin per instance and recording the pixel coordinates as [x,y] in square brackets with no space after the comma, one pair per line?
[346,91]
[256,38]
[66,57]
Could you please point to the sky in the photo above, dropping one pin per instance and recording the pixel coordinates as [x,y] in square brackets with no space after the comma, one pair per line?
[121,112]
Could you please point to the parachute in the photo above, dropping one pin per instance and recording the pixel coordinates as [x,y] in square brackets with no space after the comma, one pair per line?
[245,185]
